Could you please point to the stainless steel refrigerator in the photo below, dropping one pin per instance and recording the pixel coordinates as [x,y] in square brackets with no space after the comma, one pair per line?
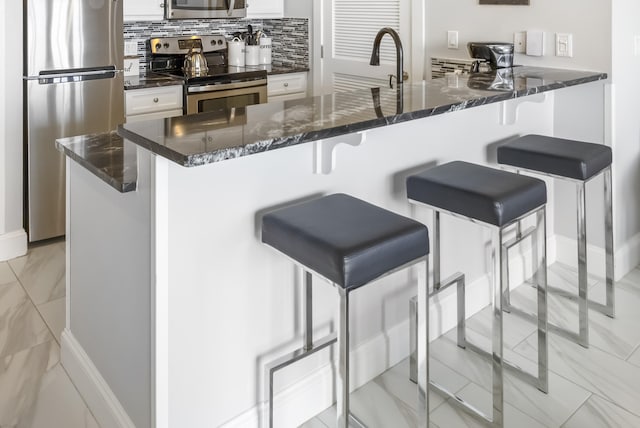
[73,81]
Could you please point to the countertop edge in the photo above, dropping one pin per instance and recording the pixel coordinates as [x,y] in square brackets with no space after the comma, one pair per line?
[259,146]
[115,177]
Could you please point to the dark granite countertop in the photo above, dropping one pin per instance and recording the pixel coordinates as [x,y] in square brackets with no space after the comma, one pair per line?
[150,80]
[217,136]
[153,80]
[107,155]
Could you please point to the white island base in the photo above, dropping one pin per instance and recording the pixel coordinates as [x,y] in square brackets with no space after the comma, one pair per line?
[174,305]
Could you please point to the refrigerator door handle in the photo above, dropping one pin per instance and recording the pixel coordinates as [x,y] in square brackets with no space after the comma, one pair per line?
[76,75]
[65,78]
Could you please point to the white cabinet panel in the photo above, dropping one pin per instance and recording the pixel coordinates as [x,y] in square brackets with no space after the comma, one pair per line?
[265,8]
[291,85]
[148,103]
[143,10]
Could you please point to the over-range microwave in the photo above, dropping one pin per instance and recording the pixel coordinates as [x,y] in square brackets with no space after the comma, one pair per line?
[197,9]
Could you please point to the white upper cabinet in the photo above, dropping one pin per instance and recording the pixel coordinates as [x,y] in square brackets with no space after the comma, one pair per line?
[143,10]
[265,8]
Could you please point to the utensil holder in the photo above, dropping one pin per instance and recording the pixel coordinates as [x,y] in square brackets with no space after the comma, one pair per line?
[265,50]
[252,55]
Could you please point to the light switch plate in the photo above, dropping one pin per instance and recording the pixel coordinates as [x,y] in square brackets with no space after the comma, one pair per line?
[452,39]
[564,44]
[535,43]
[130,48]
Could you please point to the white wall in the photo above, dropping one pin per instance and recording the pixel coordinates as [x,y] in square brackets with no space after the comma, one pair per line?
[303,9]
[625,136]
[13,241]
[588,21]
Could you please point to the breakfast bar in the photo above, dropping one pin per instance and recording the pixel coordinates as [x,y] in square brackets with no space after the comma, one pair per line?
[174,306]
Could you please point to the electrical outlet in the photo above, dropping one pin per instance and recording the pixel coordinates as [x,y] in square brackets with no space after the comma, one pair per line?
[520,42]
[564,44]
[452,39]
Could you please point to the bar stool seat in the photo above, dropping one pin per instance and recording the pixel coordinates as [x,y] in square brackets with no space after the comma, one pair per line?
[578,162]
[495,199]
[344,239]
[556,156]
[489,195]
[349,243]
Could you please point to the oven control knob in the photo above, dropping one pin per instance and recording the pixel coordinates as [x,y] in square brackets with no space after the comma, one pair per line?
[220,42]
[158,46]
[166,45]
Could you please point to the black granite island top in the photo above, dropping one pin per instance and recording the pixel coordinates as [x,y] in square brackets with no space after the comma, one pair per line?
[213,137]
[108,156]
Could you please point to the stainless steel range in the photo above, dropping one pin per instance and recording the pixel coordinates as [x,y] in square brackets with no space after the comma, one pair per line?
[215,85]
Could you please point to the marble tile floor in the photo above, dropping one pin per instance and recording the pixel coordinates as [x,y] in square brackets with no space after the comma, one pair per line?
[589,388]
[35,390]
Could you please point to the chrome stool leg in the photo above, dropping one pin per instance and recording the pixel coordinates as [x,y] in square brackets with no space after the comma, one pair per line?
[583,289]
[608,238]
[308,348]
[499,271]
[458,279]
[342,379]
[540,264]
[422,332]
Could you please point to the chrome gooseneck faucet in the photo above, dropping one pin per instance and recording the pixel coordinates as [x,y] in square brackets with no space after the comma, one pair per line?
[375,54]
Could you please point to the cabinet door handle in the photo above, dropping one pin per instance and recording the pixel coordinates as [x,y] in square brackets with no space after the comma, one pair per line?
[162,5]
[155,100]
[286,84]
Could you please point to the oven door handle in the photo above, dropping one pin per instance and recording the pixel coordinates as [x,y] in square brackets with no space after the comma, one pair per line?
[232,4]
[226,86]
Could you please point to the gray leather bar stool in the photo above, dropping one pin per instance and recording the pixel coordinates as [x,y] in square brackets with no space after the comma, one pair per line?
[349,243]
[577,162]
[497,200]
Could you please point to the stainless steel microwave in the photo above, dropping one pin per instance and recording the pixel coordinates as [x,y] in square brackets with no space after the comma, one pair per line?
[197,9]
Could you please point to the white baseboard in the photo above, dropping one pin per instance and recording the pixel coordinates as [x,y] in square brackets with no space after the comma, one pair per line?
[104,405]
[13,244]
[626,257]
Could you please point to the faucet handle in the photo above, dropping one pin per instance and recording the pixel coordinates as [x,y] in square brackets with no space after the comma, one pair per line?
[405,77]
[391,77]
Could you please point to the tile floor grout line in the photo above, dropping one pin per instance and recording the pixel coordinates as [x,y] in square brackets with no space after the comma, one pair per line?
[55,338]
[76,389]
[632,354]
[591,394]
[616,404]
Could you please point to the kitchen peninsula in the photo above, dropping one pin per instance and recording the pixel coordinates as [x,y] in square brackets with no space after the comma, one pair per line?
[174,305]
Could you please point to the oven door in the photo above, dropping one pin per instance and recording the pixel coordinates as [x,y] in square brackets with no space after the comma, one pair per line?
[216,97]
[194,9]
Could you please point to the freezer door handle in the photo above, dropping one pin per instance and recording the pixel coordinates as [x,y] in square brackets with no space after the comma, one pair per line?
[76,75]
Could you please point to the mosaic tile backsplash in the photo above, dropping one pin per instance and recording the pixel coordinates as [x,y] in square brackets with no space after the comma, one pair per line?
[290,36]
[441,66]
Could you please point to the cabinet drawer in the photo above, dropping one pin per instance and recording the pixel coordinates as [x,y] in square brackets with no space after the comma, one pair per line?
[283,84]
[151,100]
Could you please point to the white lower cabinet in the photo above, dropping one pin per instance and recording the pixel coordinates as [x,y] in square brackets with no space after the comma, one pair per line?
[290,86]
[153,103]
